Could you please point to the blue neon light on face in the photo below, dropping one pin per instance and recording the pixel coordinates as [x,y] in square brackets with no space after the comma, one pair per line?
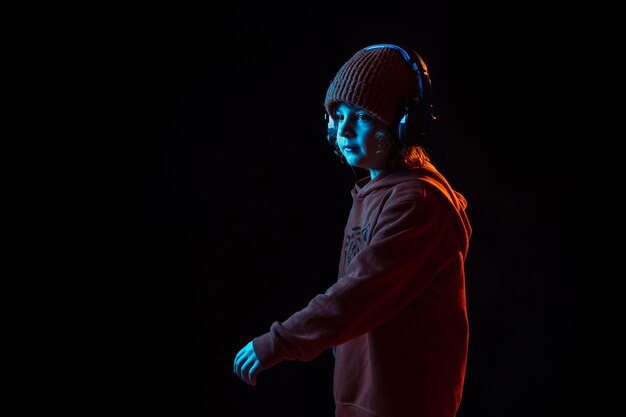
[357,138]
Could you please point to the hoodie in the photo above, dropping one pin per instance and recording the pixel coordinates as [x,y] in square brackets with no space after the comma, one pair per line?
[396,317]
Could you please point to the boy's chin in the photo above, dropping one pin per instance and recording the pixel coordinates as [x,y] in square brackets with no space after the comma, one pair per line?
[354,161]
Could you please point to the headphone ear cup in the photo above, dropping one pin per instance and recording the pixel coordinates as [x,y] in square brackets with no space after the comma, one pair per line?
[331,131]
[415,122]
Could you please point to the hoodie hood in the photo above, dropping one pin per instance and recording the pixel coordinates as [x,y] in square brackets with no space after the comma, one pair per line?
[429,177]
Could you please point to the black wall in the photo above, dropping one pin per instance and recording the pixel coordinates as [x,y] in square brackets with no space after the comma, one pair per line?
[233,205]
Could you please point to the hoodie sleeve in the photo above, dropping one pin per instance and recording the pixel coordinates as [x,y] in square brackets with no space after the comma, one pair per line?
[414,239]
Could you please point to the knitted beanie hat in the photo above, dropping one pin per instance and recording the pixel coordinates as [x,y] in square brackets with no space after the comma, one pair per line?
[379,80]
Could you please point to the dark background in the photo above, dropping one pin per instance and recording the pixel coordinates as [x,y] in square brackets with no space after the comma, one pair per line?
[230,206]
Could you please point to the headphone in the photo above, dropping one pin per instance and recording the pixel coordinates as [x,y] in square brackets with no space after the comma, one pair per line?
[418,113]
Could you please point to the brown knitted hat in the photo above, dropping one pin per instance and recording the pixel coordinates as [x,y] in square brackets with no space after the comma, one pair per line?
[378,80]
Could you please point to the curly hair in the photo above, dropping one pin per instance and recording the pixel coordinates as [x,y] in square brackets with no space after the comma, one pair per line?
[409,157]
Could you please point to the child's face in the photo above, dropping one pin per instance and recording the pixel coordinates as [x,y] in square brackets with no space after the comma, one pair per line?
[358,140]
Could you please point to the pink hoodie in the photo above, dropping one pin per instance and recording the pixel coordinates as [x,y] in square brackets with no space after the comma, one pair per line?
[397,313]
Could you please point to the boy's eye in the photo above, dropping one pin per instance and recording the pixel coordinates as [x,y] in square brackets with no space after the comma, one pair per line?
[363,117]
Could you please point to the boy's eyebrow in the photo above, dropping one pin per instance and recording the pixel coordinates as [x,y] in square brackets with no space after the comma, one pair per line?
[351,107]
